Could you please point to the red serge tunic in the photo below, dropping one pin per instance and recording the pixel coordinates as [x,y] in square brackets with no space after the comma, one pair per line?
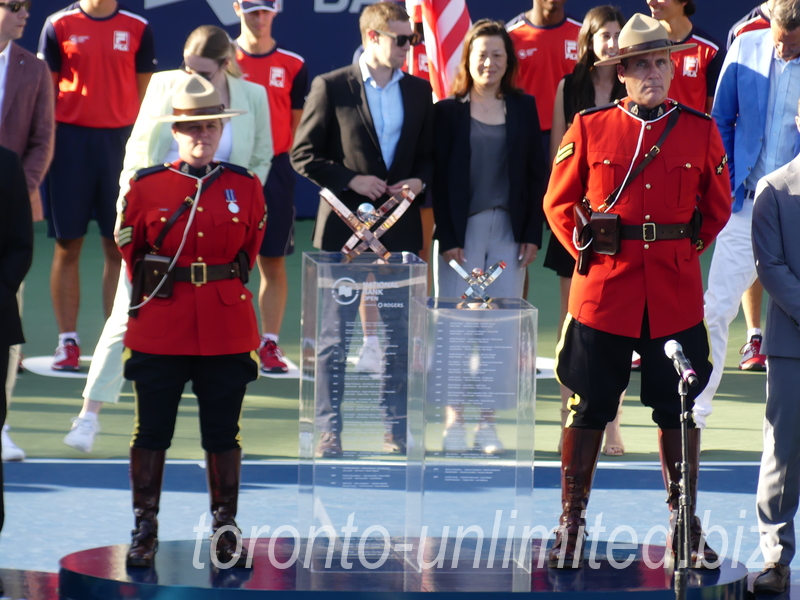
[664,276]
[201,320]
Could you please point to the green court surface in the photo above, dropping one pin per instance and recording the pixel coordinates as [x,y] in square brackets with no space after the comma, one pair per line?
[42,406]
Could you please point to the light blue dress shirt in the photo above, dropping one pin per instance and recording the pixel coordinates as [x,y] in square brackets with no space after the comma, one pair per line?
[386,107]
[780,130]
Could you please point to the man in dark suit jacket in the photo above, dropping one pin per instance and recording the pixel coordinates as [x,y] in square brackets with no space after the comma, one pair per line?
[341,143]
[16,253]
[366,132]
[27,127]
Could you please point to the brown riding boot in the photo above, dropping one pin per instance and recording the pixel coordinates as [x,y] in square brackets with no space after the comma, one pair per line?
[146,472]
[223,470]
[579,454]
[669,446]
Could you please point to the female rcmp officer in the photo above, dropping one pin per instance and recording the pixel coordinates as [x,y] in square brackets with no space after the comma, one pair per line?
[189,233]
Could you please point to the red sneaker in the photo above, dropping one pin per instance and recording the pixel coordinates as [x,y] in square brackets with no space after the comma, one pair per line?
[272,358]
[752,359]
[67,357]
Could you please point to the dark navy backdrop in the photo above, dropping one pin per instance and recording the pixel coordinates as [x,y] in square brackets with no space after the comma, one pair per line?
[325,32]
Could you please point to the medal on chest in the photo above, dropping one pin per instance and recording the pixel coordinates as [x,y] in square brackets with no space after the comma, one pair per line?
[230,198]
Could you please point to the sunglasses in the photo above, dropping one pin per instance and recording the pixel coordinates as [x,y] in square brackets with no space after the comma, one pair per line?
[414,39]
[204,74]
[15,6]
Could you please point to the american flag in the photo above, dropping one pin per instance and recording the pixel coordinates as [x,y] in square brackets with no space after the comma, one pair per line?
[445,23]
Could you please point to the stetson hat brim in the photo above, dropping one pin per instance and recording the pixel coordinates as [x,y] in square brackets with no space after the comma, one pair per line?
[230,112]
[617,59]
[196,99]
[642,35]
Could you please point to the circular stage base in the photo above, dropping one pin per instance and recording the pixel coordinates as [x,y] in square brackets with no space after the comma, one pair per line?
[28,585]
[183,570]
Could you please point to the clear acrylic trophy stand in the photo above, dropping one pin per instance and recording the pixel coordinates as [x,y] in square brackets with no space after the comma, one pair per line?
[469,493]
[352,502]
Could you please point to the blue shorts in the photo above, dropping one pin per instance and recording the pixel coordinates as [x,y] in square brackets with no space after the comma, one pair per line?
[279,194]
[83,183]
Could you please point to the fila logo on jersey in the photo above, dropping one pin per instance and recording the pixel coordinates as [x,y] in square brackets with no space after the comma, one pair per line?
[571,49]
[526,52]
[690,66]
[277,77]
[122,40]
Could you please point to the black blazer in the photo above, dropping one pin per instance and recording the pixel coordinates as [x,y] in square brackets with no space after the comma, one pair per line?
[527,170]
[336,141]
[16,243]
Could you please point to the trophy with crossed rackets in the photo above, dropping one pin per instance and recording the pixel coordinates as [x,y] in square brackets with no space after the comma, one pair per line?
[365,217]
[478,281]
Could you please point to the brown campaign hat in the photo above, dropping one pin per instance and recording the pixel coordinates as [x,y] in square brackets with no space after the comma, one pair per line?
[641,35]
[196,99]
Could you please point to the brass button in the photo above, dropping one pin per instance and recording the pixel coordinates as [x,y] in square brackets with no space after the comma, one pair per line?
[646,218]
[200,234]
[648,127]
[199,209]
[198,184]
[243,297]
[163,219]
[647,186]
[235,219]
[647,246]
[688,165]
[198,284]
[199,259]
[606,162]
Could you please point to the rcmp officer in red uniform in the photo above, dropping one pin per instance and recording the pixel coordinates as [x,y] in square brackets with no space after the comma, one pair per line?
[645,286]
[190,233]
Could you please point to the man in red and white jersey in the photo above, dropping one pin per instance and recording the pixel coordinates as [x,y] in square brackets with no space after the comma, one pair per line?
[101,57]
[756,19]
[285,77]
[546,42]
[696,69]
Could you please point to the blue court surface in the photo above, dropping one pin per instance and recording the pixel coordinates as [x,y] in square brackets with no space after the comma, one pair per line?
[55,507]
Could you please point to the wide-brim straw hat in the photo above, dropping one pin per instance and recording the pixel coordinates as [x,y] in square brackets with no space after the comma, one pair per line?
[196,99]
[642,35]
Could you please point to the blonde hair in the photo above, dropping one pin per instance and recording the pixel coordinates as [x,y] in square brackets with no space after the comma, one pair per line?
[210,41]
[377,16]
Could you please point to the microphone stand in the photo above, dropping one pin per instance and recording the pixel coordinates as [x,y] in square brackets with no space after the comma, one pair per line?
[681,534]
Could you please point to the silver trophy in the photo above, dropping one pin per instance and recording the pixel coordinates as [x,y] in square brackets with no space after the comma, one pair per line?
[365,217]
[478,281]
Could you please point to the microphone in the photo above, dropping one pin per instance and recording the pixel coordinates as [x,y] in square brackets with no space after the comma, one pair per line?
[674,351]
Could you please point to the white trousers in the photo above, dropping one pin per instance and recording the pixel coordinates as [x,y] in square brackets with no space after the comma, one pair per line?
[733,271]
[104,382]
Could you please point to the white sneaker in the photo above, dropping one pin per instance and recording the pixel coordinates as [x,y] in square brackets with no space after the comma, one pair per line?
[455,438]
[11,452]
[81,436]
[370,360]
[486,439]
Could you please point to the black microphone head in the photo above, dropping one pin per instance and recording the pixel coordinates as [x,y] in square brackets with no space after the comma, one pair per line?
[671,347]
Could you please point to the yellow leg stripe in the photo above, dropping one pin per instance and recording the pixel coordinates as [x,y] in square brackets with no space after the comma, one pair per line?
[560,344]
[572,402]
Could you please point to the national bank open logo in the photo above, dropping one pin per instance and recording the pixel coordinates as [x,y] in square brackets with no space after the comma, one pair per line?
[345,291]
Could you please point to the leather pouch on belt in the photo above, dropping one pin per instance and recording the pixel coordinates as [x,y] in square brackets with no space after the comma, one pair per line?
[582,213]
[606,233]
[154,267]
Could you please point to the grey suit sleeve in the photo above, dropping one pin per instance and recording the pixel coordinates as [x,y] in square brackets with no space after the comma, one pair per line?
[313,141]
[778,279]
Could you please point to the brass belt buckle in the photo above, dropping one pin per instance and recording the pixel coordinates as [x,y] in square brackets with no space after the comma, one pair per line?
[649,232]
[201,270]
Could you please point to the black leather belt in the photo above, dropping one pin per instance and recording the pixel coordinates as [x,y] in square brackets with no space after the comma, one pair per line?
[653,232]
[200,273]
